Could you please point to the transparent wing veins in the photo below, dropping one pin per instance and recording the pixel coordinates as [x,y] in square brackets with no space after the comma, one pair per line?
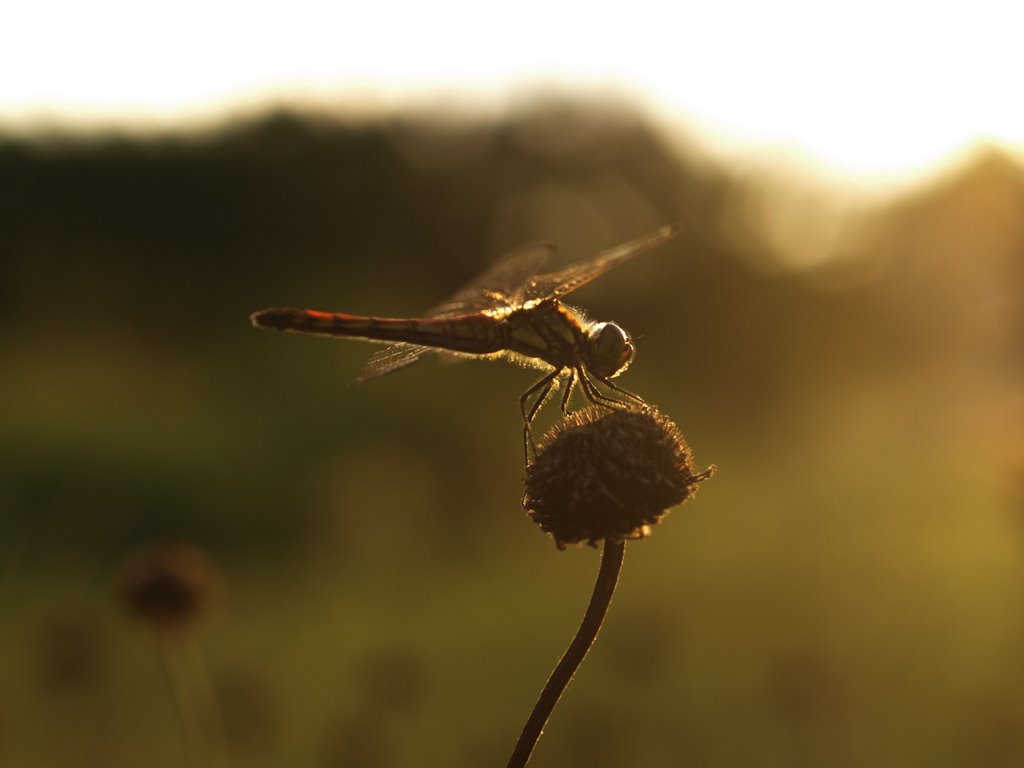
[555,285]
[511,282]
[493,289]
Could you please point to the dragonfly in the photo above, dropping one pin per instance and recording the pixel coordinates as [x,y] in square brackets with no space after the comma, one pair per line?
[511,311]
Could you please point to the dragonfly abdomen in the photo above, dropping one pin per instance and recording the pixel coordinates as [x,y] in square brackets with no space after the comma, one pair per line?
[476,333]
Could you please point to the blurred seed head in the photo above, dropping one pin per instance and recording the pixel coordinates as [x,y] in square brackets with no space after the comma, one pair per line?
[70,652]
[608,474]
[169,587]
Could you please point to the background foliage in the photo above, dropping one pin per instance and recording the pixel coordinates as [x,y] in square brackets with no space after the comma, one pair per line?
[846,591]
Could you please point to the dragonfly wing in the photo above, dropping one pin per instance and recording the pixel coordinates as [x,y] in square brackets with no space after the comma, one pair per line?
[496,287]
[392,358]
[491,290]
[554,285]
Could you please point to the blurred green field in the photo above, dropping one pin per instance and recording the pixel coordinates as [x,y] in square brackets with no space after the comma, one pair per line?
[846,591]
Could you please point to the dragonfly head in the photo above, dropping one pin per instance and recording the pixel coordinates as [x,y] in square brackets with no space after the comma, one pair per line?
[609,350]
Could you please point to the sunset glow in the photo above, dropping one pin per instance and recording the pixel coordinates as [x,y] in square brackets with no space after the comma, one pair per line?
[866,91]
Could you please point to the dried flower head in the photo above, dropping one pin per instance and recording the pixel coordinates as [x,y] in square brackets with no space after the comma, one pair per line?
[169,587]
[608,474]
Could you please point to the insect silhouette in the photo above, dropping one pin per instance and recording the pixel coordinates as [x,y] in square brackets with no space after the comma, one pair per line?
[510,311]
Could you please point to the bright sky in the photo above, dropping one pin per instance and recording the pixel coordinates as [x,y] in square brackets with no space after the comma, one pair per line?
[874,87]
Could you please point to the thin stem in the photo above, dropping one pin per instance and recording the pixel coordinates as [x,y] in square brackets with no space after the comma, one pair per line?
[195,699]
[182,700]
[607,578]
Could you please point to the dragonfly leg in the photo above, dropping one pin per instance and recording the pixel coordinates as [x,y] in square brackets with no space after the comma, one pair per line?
[544,388]
[598,398]
[593,394]
[529,446]
[568,391]
[634,397]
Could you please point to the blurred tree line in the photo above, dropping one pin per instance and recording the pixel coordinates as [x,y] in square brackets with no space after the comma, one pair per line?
[845,591]
[167,242]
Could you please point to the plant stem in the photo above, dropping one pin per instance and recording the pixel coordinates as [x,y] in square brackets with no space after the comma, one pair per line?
[196,702]
[607,578]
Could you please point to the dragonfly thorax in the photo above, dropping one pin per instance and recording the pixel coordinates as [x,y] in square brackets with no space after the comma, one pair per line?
[608,350]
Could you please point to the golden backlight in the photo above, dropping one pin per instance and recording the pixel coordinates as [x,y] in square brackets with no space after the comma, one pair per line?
[213,542]
[871,92]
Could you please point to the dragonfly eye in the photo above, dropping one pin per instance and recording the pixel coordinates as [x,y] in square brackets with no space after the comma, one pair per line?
[610,350]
